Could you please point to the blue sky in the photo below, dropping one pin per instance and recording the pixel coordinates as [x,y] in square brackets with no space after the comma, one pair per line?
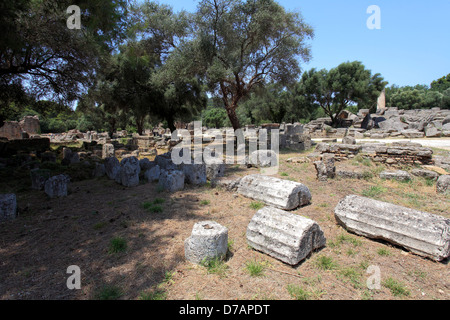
[412,47]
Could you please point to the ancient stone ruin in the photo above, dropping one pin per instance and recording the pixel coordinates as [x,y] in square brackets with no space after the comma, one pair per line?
[397,153]
[422,233]
[208,241]
[284,235]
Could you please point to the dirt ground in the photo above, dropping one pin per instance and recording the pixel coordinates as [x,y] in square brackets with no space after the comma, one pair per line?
[52,234]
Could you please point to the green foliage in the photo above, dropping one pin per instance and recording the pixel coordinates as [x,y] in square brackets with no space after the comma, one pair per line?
[215,265]
[383,252]
[442,84]
[255,268]
[298,292]
[418,97]
[396,287]
[153,206]
[53,60]
[325,263]
[240,45]
[117,245]
[153,295]
[348,84]
[214,117]
[256,205]
[109,292]
[374,191]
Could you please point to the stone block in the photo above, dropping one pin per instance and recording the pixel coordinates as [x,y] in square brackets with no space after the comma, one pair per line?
[208,240]
[395,175]
[108,151]
[194,174]
[99,170]
[443,184]
[215,169]
[153,173]
[129,171]
[282,194]
[172,180]
[38,178]
[56,186]
[428,174]
[283,235]
[420,232]
[8,207]
[112,168]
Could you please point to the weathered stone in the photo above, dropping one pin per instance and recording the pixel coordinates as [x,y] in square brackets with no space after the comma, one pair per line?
[443,184]
[108,151]
[263,159]
[392,124]
[422,233]
[56,186]
[164,161]
[412,134]
[396,175]
[8,207]
[194,173]
[283,235]
[321,171]
[215,169]
[99,170]
[326,168]
[129,172]
[146,164]
[38,178]
[153,173]
[432,132]
[349,174]
[30,124]
[208,241]
[230,184]
[348,140]
[67,153]
[11,130]
[112,167]
[283,194]
[428,174]
[172,180]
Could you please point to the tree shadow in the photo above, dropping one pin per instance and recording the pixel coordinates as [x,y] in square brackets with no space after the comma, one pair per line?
[53,234]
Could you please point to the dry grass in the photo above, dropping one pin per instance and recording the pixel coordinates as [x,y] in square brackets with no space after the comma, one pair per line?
[50,235]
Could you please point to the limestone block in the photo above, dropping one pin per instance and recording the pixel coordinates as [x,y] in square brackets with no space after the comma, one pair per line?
[153,174]
[396,175]
[194,173]
[443,184]
[129,171]
[172,180]
[282,194]
[56,186]
[422,233]
[112,167]
[8,207]
[208,240]
[108,151]
[283,235]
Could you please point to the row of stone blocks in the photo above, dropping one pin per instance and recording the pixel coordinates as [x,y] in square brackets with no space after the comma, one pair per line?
[291,238]
[170,176]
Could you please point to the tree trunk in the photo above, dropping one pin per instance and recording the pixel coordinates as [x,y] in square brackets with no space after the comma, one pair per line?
[140,126]
[233,118]
[171,123]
